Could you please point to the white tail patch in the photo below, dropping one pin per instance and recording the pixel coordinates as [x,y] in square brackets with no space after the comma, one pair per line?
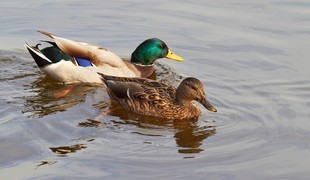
[37,53]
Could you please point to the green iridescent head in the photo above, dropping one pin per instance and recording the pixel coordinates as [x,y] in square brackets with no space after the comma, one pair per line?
[152,49]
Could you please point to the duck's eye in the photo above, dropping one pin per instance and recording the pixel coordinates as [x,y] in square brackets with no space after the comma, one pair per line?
[162,46]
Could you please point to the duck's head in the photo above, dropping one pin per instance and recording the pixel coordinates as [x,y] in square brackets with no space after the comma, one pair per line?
[152,49]
[192,89]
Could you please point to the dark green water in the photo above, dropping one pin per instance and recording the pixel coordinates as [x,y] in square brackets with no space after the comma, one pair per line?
[252,57]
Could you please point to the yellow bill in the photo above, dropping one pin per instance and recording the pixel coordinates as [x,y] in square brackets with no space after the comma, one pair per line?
[173,56]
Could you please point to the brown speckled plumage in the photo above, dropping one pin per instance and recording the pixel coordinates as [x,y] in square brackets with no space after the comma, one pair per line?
[153,98]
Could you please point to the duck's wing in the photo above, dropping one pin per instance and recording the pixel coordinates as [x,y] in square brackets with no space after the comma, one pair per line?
[133,96]
[123,87]
[137,97]
[138,88]
[97,55]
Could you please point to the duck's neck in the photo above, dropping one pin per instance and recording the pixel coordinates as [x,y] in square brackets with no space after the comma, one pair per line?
[145,70]
[188,108]
[141,60]
[180,99]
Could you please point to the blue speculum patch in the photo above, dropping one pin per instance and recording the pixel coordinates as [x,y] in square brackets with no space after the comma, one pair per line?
[83,62]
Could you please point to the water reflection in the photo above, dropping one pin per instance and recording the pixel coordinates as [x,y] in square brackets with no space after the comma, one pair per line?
[91,123]
[63,150]
[189,138]
[43,163]
[188,135]
[50,97]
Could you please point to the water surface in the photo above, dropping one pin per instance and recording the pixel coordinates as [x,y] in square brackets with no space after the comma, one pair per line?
[252,58]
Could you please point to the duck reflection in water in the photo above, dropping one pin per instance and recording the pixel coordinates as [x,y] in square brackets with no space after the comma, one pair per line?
[50,97]
[189,134]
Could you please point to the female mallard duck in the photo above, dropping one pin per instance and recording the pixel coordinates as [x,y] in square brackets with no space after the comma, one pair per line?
[153,98]
[70,61]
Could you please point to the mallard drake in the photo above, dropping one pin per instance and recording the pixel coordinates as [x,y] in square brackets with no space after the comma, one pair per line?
[70,61]
[153,98]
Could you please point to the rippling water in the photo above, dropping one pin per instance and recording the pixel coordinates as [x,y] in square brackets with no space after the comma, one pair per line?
[252,58]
